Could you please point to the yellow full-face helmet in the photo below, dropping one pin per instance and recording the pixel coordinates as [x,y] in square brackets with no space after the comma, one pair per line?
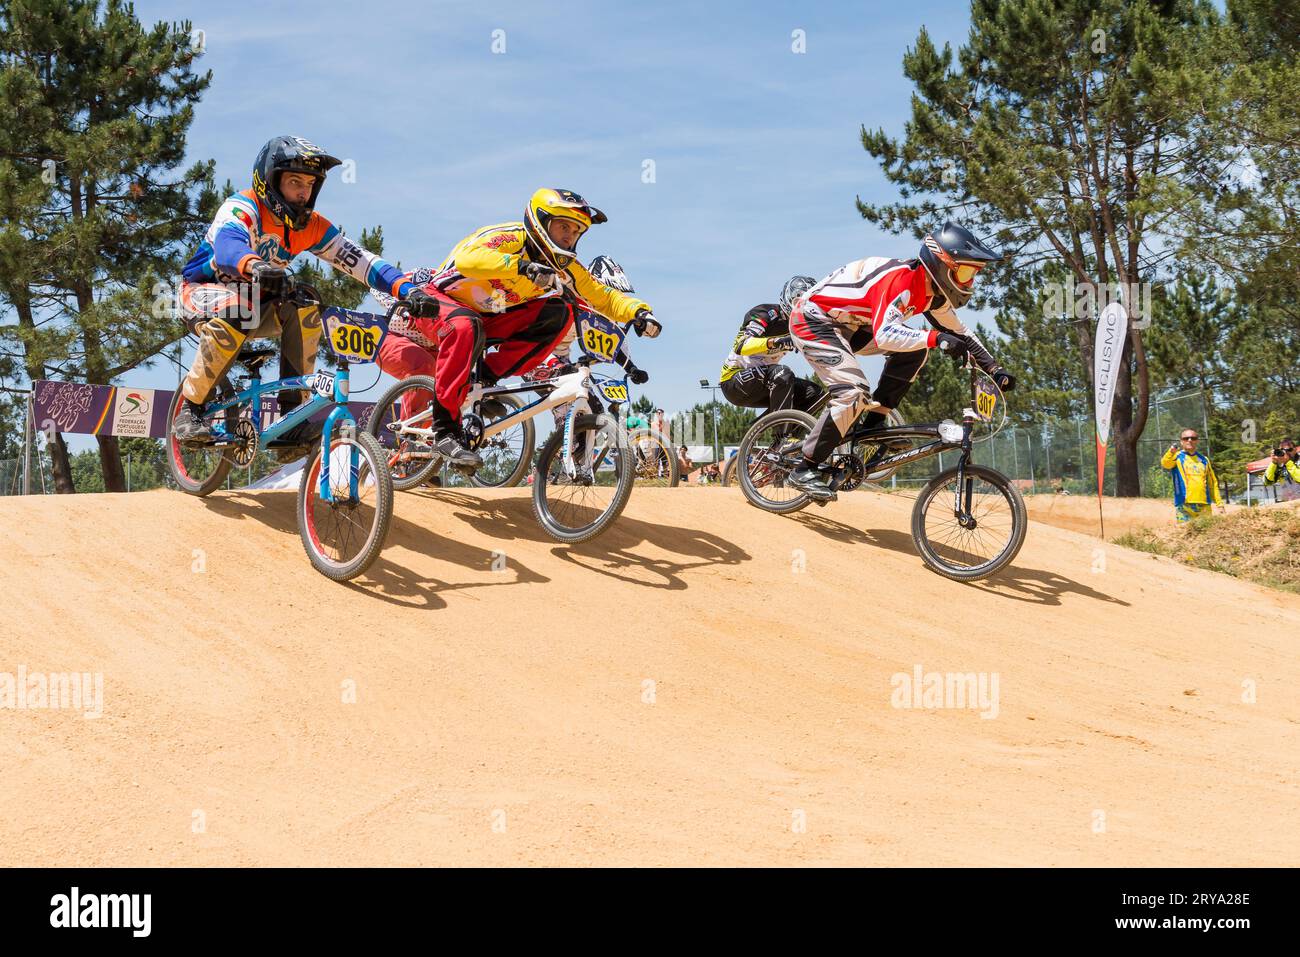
[548,204]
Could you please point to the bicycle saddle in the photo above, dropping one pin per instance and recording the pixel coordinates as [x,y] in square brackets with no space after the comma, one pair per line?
[254,357]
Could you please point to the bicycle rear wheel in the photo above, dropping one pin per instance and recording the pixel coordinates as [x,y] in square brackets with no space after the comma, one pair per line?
[344,536]
[577,508]
[409,454]
[769,452]
[982,544]
[199,469]
[508,455]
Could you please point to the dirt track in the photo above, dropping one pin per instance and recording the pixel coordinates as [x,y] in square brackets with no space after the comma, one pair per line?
[508,717]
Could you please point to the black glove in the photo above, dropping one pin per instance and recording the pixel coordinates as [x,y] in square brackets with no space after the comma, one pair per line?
[638,376]
[780,344]
[1005,380]
[646,324]
[954,346]
[272,281]
[539,274]
[421,305]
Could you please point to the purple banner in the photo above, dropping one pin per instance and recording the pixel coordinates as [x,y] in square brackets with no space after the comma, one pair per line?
[122,410]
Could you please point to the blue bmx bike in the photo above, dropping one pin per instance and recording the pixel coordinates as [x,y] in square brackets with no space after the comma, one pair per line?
[345,495]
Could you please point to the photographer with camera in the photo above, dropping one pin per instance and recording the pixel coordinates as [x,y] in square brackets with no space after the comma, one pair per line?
[1285,467]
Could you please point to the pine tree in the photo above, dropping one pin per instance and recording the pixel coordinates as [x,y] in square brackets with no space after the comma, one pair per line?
[103,210]
[1059,130]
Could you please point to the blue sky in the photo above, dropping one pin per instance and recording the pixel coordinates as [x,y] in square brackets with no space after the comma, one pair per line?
[756,148]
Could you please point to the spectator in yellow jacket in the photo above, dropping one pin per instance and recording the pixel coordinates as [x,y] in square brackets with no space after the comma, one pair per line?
[1194,482]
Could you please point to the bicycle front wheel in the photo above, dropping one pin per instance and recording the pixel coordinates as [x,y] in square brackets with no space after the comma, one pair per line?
[729,472]
[653,457]
[969,530]
[576,501]
[344,536]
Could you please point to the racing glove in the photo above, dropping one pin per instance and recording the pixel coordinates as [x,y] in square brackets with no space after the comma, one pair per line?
[539,274]
[272,281]
[421,305]
[646,324]
[954,346]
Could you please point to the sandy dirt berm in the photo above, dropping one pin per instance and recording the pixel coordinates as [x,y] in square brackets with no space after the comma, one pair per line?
[705,684]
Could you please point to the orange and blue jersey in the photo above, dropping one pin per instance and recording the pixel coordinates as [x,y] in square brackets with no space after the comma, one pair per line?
[244,231]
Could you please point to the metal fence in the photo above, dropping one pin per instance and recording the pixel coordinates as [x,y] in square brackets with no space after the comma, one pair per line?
[1059,455]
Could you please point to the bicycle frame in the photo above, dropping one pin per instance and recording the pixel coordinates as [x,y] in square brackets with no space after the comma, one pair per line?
[941,443]
[572,389]
[327,388]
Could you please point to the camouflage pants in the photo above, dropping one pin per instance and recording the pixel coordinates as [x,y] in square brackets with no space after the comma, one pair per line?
[225,316]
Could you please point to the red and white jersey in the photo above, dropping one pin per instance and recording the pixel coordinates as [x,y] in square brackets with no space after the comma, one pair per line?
[880,292]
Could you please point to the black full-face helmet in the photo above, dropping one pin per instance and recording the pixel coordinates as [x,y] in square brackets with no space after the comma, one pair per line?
[953,257]
[290,154]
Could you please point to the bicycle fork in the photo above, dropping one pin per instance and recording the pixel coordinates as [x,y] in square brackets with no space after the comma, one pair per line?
[571,467]
[347,426]
[964,488]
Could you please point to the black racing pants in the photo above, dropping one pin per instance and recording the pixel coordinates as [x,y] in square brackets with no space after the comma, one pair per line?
[771,387]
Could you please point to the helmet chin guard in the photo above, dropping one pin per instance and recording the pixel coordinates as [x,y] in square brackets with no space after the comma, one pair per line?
[290,154]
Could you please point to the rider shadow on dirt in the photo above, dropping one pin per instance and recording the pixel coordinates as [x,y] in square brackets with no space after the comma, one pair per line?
[385,579]
[609,554]
[1033,585]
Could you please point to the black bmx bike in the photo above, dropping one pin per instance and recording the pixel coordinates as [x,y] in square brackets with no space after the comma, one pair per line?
[968,521]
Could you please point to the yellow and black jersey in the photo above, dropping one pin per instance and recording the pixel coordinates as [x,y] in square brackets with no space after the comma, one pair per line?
[754,345]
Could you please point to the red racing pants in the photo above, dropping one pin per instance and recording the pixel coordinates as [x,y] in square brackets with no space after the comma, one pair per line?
[525,335]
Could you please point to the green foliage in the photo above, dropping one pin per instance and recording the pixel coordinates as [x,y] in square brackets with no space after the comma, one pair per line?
[338,288]
[1159,484]
[696,426]
[939,392]
[1064,130]
[96,206]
